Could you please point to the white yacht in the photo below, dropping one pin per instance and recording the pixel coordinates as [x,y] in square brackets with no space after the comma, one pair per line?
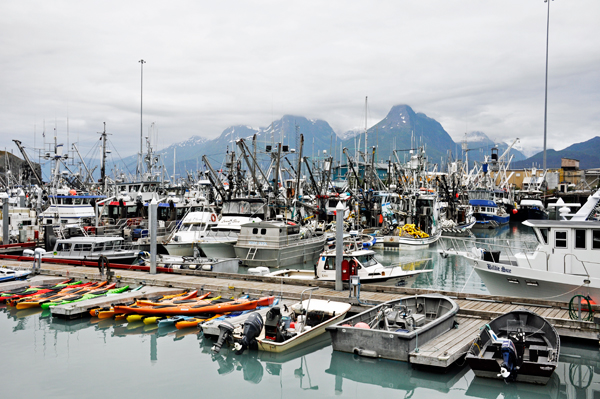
[194,227]
[563,263]
[219,241]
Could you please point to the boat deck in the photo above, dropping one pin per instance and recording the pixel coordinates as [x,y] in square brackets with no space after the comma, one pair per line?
[475,309]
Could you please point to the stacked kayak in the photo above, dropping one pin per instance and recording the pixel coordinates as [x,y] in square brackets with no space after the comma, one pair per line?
[38,300]
[17,293]
[90,295]
[194,307]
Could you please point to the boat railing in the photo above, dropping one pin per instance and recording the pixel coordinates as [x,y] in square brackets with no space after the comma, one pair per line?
[472,247]
[277,242]
[578,260]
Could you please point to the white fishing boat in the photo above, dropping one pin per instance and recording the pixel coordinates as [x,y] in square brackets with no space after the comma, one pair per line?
[194,227]
[561,264]
[91,248]
[357,261]
[219,241]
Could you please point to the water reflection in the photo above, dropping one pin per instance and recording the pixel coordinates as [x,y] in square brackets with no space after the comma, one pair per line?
[389,374]
[253,364]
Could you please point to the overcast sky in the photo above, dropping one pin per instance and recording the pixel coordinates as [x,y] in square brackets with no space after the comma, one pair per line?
[471,65]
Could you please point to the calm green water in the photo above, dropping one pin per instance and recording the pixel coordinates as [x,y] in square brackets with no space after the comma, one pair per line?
[51,358]
[454,273]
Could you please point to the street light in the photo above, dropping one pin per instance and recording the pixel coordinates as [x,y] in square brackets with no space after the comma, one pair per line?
[546,88]
[142,62]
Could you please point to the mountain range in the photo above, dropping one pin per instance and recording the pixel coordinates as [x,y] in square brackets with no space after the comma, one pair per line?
[402,129]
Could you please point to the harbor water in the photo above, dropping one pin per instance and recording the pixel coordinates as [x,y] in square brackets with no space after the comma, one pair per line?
[53,358]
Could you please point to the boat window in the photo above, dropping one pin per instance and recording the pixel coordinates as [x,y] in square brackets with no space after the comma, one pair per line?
[196,227]
[367,260]
[82,247]
[255,231]
[544,234]
[98,247]
[263,231]
[63,247]
[595,239]
[560,239]
[329,263]
[109,245]
[580,238]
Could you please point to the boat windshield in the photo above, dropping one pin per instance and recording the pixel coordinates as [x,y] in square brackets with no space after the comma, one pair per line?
[196,227]
[367,260]
[243,208]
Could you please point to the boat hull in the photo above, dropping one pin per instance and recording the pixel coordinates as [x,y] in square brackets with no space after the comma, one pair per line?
[514,281]
[394,344]
[218,249]
[281,257]
[179,249]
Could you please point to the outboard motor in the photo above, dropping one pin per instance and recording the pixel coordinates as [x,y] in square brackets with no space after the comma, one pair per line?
[252,328]
[508,367]
[225,333]
[272,331]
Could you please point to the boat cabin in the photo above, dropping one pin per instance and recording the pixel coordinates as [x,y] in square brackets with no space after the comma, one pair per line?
[570,247]
[269,234]
[86,246]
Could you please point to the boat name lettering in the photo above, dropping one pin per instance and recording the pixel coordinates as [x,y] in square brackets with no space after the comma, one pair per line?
[259,243]
[499,268]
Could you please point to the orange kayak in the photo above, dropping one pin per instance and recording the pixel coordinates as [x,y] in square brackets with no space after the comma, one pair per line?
[105,313]
[196,307]
[193,322]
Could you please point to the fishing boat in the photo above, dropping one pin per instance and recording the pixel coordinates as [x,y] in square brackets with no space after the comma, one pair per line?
[488,214]
[531,208]
[92,248]
[357,261]
[517,346]
[7,274]
[219,242]
[284,327]
[194,226]
[560,265]
[395,328]
[277,243]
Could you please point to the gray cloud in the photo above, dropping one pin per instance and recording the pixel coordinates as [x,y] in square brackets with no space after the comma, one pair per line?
[471,65]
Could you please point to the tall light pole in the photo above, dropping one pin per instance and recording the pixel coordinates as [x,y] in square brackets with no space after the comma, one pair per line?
[139,171]
[546,88]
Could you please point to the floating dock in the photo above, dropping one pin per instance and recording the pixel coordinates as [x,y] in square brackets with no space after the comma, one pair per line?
[475,309]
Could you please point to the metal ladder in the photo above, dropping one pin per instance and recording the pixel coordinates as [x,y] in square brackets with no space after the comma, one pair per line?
[251,251]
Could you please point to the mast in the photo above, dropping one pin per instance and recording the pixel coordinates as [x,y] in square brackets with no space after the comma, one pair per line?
[22,149]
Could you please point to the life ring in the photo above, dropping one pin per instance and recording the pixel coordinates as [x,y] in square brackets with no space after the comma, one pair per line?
[213,218]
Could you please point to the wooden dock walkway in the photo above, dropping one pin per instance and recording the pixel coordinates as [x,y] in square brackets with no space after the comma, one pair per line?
[475,309]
